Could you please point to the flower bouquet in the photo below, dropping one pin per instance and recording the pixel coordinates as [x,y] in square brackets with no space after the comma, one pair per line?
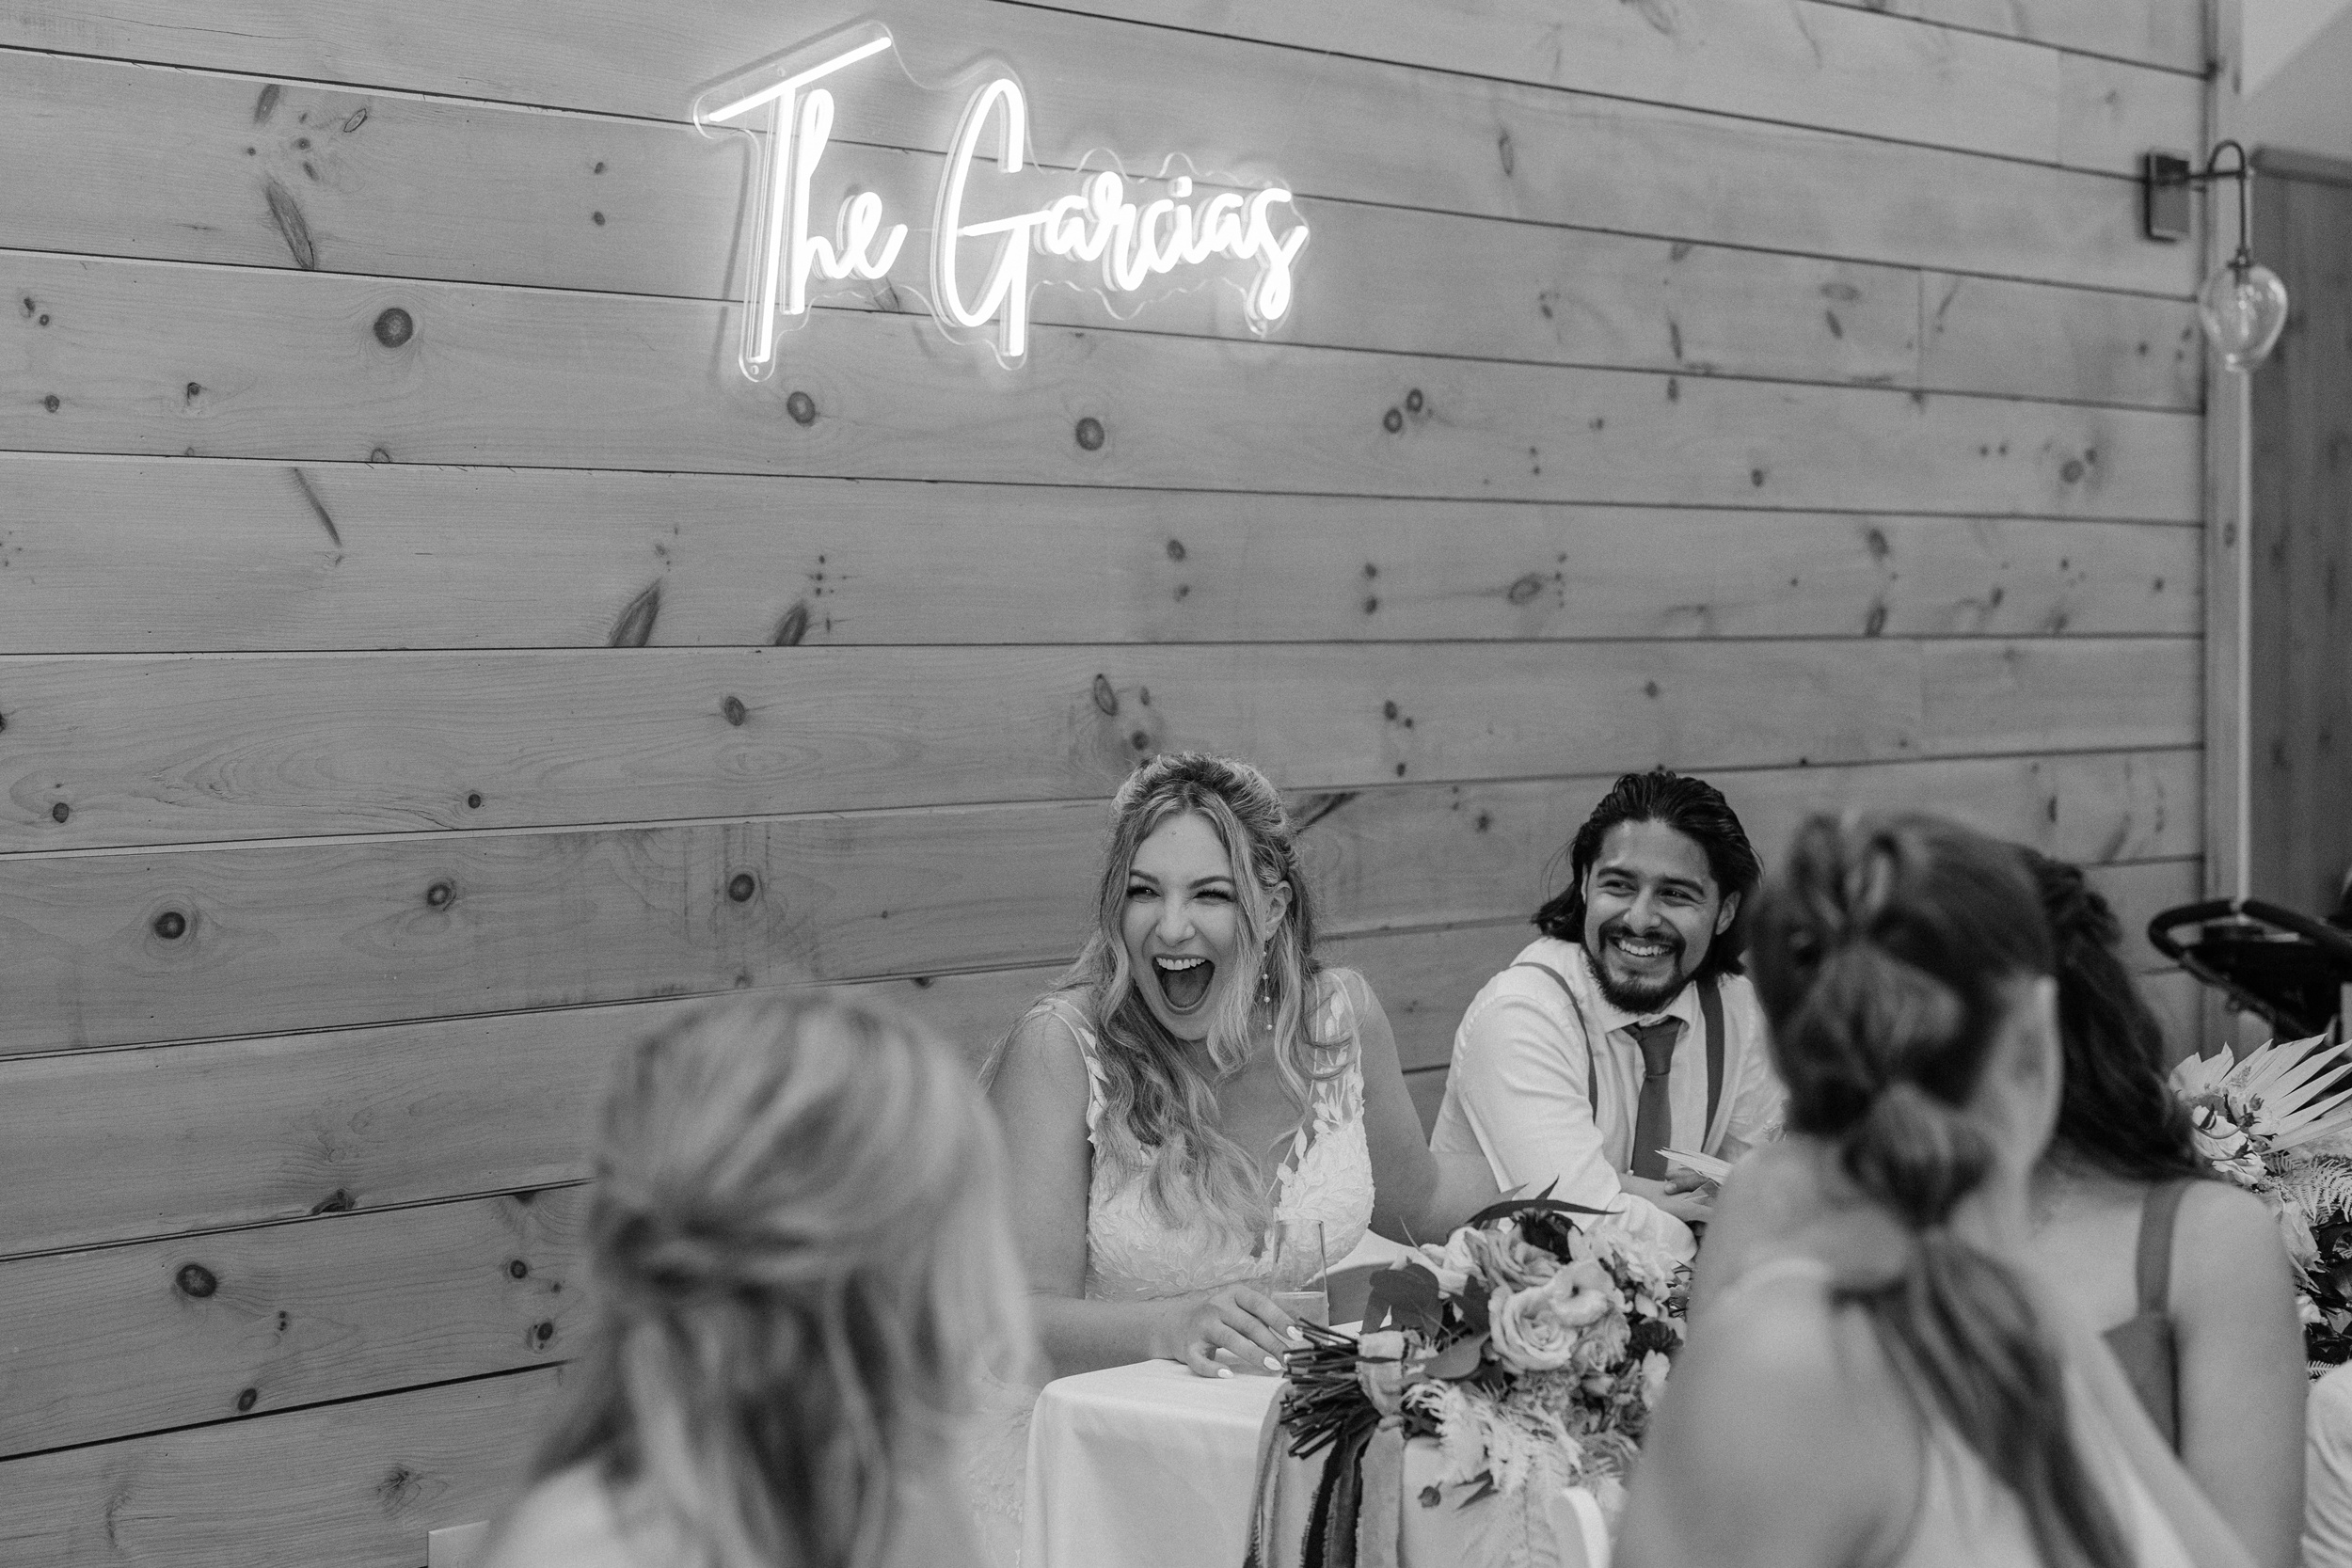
[1530,1351]
[2278,1124]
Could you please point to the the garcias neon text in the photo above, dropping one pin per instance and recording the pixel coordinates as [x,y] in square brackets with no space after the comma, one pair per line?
[1096,226]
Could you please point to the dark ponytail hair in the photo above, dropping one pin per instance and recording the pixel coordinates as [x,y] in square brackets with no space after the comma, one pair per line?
[1886,957]
[2117,1115]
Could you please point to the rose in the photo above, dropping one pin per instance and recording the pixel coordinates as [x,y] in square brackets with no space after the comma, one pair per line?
[1539,1329]
[1498,1256]
[1503,1257]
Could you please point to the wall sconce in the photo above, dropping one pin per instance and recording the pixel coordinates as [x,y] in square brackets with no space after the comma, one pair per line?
[2243,306]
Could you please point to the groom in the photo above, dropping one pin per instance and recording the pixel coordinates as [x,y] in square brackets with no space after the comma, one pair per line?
[1628,1027]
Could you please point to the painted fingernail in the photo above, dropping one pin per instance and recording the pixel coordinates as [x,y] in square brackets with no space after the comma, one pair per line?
[1294,1333]
[1225,1371]
[1271,1365]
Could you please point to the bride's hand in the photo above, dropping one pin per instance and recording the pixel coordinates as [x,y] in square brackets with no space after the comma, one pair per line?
[1234,1326]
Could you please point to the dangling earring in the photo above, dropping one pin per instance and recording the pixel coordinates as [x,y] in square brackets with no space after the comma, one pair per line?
[1266,986]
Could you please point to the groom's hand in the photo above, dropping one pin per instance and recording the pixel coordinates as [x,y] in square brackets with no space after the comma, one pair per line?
[1685,1195]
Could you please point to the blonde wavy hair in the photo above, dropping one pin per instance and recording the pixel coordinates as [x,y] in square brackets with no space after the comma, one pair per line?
[1160,1108]
[799,1272]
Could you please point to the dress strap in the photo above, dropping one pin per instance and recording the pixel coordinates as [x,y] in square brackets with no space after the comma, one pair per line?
[2156,1217]
[1062,1008]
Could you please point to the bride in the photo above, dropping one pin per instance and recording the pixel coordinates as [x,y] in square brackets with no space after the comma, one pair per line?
[1195,1078]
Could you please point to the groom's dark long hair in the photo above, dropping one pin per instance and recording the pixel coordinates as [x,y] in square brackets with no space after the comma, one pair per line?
[1697,811]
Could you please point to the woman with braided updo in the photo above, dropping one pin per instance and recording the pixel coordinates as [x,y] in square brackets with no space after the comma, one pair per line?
[2185,1275]
[1194,1078]
[1884,1385]
[798,1274]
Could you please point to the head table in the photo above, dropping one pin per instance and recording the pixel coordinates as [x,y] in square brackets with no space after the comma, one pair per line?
[1149,1466]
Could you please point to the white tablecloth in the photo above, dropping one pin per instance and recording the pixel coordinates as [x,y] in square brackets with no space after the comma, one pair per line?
[1149,1466]
[1142,1467]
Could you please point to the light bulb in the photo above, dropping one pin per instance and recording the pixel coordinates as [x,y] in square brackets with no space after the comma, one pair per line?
[2244,309]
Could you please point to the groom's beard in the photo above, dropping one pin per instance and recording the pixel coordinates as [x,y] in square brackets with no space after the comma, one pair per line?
[1632,995]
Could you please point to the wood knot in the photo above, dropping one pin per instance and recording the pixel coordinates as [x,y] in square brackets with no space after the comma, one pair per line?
[60,811]
[245,1401]
[543,1332]
[171,924]
[517,1269]
[1525,588]
[1090,434]
[340,1201]
[50,403]
[734,710]
[1393,420]
[473,801]
[1105,698]
[394,328]
[440,894]
[1413,400]
[1175,549]
[741,886]
[195,1279]
[801,407]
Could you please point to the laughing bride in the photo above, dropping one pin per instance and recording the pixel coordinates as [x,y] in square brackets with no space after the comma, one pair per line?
[1194,1079]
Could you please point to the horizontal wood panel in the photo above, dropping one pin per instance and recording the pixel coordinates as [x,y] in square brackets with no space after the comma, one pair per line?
[2140,890]
[2178,1001]
[289,937]
[1481,146]
[360,1484]
[2065,342]
[183,748]
[533,198]
[1794,64]
[289,367]
[2166,33]
[257,1321]
[239,1132]
[96,560]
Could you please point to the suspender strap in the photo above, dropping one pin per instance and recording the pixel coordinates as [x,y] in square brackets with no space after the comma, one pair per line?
[1712,1011]
[2155,1245]
[1592,1067]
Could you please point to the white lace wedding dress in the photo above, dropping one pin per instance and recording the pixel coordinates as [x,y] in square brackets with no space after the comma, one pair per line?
[1135,1255]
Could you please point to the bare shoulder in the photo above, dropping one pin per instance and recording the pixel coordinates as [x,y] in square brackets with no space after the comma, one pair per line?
[2231,1241]
[566,1521]
[1779,1396]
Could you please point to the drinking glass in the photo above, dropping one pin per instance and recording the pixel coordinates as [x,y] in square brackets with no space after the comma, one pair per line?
[1296,1266]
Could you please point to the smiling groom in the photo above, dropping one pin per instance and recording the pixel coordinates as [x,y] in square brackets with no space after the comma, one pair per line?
[1627,1029]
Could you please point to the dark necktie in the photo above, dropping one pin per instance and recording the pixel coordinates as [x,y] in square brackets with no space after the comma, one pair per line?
[1653,1118]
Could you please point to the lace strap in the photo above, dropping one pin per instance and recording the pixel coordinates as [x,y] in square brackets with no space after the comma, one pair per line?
[1342,1096]
[1062,1008]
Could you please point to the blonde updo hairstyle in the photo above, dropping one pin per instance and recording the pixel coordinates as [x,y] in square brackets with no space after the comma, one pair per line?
[1889,956]
[1159,1101]
[798,1269]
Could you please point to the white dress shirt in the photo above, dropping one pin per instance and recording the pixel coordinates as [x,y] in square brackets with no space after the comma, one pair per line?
[2328,1473]
[1516,1091]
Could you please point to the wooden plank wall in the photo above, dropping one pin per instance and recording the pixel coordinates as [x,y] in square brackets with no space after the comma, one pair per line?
[398,712]
[2302,628]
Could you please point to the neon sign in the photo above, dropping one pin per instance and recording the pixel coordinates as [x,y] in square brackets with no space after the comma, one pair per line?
[1097,226]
